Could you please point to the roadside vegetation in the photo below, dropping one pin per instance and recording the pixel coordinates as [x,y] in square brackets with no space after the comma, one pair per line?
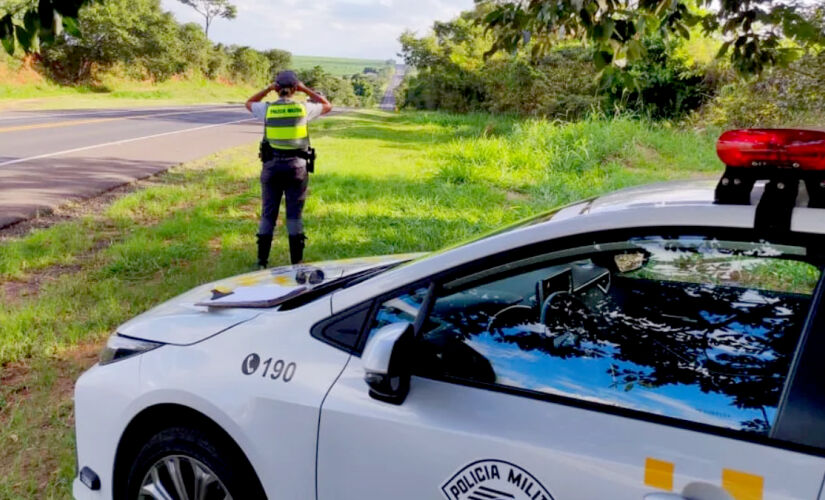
[385,184]
[125,52]
[675,77]
[26,89]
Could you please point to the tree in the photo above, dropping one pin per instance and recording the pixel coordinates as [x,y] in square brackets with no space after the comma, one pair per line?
[136,33]
[219,62]
[250,66]
[365,88]
[336,89]
[279,60]
[195,47]
[210,9]
[754,32]
[28,24]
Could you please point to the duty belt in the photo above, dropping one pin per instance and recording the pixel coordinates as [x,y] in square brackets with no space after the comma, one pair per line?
[267,153]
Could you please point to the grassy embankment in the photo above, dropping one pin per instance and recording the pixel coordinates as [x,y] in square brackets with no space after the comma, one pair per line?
[385,184]
[22,86]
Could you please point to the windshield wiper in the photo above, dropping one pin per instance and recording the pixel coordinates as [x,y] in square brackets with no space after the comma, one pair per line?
[310,294]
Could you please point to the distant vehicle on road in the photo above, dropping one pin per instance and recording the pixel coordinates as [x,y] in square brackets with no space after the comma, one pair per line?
[661,342]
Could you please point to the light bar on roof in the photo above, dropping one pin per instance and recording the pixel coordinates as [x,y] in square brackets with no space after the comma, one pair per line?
[779,148]
[785,158]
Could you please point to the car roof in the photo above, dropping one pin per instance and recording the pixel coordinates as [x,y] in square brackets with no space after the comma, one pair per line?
[667,193]
[671,204]
[682,194]
[664,194]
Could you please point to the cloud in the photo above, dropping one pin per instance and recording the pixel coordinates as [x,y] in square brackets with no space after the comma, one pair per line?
[344,28]
[681,409]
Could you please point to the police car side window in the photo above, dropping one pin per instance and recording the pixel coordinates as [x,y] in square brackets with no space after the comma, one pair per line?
[404,307]
[689,328]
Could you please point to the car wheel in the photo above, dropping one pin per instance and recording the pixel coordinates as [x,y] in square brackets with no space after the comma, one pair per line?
[181,463]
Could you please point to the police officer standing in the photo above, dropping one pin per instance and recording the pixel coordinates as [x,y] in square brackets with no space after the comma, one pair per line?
[287,158]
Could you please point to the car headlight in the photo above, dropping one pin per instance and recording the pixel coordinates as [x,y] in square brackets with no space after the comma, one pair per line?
[119,347]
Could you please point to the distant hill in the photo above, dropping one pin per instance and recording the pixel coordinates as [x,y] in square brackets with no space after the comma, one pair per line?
[338,66]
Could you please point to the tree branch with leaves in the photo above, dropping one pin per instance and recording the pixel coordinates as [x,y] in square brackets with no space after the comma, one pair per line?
[755,33]
[212,9]
[28,25]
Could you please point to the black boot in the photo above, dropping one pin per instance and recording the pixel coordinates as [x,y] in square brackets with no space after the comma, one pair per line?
[297,242]
[264,246]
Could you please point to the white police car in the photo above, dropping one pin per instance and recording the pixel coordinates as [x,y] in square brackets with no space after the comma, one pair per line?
[661,342]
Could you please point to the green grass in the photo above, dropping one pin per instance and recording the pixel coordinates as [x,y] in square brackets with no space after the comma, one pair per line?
[385,184]
[776,275]
[32,92]
[22,87]
[338,66]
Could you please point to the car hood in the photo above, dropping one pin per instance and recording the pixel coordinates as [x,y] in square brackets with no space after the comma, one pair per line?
[180,321]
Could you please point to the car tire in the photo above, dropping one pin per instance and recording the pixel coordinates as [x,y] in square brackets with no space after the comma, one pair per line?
[192,459]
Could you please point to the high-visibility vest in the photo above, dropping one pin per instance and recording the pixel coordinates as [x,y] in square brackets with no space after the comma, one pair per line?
[286,126]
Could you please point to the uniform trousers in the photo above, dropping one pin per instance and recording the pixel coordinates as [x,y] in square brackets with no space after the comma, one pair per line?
[283,176]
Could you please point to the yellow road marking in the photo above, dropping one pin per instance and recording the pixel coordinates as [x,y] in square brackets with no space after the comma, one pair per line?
[741,485]
[57,124]
[73,123]
[659,474]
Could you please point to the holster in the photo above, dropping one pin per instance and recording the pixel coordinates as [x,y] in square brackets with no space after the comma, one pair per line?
[310,158]
[265,151]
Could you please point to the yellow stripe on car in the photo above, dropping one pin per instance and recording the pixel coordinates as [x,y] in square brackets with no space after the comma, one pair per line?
[743,486]
[659,474]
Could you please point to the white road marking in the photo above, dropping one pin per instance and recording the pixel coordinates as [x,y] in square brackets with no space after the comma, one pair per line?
[114,111]
[92,121]
[124,141]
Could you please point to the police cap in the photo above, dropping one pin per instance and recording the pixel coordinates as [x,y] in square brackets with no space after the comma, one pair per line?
[286,79]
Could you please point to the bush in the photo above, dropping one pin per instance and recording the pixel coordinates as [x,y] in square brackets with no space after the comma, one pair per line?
[279,60]
[448,88]
[249,66]
[661,85]
[367,87]
[218,63]
[781,97]
[562,85]
[455,75]
[195,50]
[338,90]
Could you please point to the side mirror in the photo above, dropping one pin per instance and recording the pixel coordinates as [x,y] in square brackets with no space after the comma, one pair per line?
[385,360]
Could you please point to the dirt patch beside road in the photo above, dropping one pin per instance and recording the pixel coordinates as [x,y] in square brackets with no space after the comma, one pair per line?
[36,422]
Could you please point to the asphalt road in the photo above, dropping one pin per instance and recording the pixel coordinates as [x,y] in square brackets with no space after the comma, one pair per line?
[388,102]
[50,157]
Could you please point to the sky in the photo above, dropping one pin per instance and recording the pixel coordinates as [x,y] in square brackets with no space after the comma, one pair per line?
[343,28]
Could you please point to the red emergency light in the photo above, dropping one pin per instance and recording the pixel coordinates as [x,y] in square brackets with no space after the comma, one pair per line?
[778,148]
[785,158]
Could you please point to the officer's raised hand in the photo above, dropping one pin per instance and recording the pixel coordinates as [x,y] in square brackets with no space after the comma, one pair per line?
[315,97]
